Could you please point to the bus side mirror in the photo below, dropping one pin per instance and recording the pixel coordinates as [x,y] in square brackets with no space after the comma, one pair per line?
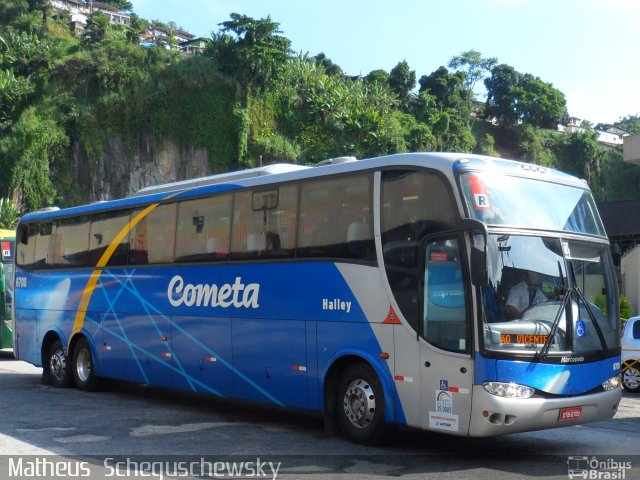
[479,273]
[480,234]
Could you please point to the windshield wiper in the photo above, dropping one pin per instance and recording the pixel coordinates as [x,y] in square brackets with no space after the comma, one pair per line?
[544,351]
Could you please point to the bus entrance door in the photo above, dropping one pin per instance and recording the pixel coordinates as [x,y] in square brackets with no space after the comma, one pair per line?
[446,376]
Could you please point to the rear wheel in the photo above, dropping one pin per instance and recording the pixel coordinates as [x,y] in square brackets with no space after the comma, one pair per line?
[57,366]
[82,365]
[631,378]
[360,405]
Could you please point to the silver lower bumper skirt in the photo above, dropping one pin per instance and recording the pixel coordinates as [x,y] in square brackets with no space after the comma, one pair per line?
[492,415]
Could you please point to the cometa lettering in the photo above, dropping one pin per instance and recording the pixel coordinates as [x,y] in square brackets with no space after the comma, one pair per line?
[237,294]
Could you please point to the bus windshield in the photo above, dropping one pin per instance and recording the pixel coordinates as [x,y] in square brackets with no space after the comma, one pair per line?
[526,202]
[548,295]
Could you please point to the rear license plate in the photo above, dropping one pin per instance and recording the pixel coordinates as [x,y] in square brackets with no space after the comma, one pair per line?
[570,413]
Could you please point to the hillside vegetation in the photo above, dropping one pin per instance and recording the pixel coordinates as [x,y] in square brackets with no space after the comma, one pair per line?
[248,99]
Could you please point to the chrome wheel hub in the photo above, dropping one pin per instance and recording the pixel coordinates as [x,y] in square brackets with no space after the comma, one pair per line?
[631,378]
[83,365]
[359,403]
[58,364]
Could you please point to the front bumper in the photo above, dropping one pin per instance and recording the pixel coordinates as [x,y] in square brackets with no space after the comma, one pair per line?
[492,415]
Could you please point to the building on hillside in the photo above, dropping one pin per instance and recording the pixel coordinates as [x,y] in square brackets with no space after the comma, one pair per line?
[193,47]
[75,9]
[612,137]
[80,11]
[115,15]
[160,35]
[622,223]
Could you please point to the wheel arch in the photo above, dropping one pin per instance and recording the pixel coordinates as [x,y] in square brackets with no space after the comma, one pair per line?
[339,363]
[47,340]
[74,341]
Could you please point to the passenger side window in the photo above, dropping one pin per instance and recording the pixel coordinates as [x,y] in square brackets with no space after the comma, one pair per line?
[43,244]
[336,219]
[444,302]
[152,240]
[203,229]
[104,229]
[26,244]
[264,223]
[70,242]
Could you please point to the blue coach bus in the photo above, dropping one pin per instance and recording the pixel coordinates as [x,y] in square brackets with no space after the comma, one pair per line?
[378,292]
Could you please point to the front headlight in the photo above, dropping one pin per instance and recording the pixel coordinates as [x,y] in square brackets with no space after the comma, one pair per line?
[612,383]
[508,390]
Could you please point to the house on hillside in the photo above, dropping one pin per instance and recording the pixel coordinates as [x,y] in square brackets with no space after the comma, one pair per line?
[612,137]
[193,47]
[622,223]
[80,11]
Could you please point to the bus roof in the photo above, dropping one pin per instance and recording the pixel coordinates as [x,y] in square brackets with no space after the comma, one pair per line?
[447,163]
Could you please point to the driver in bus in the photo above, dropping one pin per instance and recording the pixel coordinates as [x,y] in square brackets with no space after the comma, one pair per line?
[524,295]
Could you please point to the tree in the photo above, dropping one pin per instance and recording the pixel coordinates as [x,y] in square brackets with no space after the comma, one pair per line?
[447,88]
[539,103]
[13,91]
[402,81]
[580,154]
[96,30]
[329,67]
[377,76]
[43,7]
[250,50]
[500,94]
[512,96]
[136,28]
[473,65]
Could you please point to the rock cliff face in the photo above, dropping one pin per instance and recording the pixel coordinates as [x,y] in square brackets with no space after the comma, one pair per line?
[119,172]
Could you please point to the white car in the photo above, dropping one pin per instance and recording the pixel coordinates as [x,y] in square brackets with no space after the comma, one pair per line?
[631,355]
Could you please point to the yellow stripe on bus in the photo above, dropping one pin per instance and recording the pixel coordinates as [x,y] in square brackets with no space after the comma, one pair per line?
[87,293]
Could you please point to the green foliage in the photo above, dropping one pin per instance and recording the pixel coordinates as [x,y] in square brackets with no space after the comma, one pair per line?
[9,214]
[512,96]
[274,148]
[402,81]
[250,50]
[626,311]
[580,154]
[475,67]
[26,156]
[535,145]
[13,90]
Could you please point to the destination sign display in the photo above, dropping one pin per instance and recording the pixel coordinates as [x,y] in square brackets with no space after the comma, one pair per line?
[522,338]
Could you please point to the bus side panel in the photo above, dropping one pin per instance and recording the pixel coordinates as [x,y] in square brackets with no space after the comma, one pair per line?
[315,380]
[28,344]
[270,357]
[119,356]
[202,348]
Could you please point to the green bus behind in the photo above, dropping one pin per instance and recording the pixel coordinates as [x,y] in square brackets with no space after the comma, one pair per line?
[7,246]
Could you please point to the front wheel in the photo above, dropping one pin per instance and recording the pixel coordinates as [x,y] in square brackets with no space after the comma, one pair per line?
[82,364]
[631,379]
[360,405]
[57,366]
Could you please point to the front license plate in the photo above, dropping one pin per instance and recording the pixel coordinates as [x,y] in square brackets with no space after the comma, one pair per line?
[570,413]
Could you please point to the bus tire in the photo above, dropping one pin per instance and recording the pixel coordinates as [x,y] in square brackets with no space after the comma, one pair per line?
[57,365]
[82,366]
[631,379]
[360,405]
